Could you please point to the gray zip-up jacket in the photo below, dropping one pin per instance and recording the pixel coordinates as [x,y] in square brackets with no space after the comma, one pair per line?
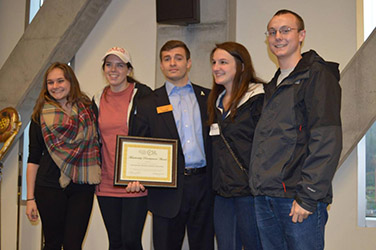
[298,139]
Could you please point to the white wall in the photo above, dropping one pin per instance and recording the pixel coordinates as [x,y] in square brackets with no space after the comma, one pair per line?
[330,26]
[12,16]
[9,201]
[342,231]
[126,23]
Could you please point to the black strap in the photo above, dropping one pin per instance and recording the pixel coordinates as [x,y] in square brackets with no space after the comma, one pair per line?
[231,151]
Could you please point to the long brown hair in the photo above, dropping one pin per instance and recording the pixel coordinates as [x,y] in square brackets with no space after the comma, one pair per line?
[245,74]
[75,94]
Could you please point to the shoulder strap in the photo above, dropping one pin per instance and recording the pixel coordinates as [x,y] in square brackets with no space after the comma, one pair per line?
[231,151]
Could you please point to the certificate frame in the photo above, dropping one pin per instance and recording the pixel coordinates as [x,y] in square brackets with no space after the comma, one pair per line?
[150,161]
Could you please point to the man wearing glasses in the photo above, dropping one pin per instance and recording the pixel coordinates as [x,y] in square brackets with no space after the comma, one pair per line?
[297,142]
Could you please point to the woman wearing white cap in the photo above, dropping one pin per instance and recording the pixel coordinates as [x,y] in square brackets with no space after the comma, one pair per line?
[123,212]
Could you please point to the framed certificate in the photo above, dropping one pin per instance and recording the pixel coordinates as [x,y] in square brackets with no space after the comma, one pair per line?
[151,161]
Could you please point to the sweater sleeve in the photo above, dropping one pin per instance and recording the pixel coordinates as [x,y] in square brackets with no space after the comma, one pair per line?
[36,143]
[322,100]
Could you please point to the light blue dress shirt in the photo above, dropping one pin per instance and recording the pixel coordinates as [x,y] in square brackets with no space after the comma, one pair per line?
[188,123]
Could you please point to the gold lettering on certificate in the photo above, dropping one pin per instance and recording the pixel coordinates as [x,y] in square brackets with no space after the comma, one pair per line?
[144,162]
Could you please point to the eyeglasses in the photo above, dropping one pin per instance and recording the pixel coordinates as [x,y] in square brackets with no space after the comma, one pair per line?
[284,30]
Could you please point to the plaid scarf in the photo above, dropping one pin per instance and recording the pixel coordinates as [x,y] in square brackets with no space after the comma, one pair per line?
[72,142]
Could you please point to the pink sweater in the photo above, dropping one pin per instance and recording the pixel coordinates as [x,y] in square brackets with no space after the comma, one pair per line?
[113,121]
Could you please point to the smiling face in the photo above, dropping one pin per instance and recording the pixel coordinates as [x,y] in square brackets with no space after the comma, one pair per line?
[58,86]
[223,68]
[286,47]
[175,66]
[116,71]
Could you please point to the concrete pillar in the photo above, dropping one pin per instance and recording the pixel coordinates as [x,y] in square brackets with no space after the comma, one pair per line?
[218,24]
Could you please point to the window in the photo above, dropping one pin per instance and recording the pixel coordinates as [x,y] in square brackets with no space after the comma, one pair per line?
[367,146]
[25,154]
[34,7]
[369,8]
[366,179]
[370,171]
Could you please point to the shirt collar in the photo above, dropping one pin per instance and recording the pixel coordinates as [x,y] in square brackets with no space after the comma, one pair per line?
[171,88]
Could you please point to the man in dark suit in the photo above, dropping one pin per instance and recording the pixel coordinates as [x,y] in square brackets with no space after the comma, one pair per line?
[177,110]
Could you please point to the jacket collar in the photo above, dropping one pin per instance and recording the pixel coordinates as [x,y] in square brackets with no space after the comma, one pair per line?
[302,69]
[253,89]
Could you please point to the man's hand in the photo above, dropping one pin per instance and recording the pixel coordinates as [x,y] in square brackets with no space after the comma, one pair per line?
[298,213]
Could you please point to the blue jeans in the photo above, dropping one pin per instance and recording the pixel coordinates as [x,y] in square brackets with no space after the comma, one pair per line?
[278,232]
[235,223]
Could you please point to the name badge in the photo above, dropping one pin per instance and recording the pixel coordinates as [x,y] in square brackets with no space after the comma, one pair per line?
[214,129]
[164,109]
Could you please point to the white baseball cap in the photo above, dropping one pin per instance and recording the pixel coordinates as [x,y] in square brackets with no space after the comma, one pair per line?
[122,53]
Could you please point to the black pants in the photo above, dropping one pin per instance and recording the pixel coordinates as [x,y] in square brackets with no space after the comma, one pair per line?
[64,214]
[124,219]
[196,214]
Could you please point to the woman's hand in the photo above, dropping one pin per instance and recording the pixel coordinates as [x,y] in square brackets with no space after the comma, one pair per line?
[135,187]
[31,205]
[31,210]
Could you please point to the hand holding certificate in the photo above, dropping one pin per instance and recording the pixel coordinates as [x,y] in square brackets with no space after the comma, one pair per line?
[150,161]
[135,187]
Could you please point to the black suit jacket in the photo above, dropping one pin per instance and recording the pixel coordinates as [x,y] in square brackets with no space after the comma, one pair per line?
[148,123]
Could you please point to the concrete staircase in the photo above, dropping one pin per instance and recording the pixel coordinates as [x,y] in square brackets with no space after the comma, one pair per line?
[358,82]
[55,34]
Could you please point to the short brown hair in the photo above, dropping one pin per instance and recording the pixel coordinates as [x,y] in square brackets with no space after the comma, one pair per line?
[299,19]
[172,44]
